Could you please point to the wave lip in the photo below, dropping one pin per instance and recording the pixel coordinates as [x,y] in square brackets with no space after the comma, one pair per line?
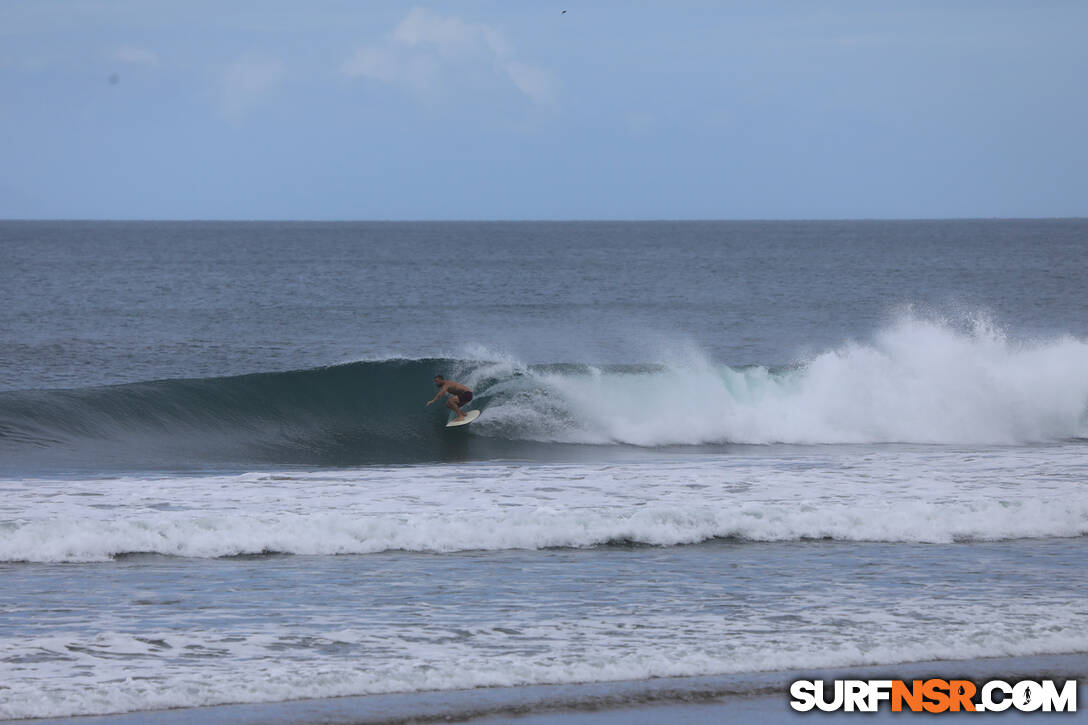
[917,381]
[342,415]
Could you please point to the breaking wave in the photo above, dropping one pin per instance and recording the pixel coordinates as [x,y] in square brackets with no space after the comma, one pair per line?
[324,534]
[916,381]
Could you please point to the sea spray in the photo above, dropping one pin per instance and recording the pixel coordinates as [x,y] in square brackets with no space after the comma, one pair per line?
[916,381]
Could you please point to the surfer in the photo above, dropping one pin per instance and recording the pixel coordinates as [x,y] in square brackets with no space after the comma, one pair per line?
[458,395]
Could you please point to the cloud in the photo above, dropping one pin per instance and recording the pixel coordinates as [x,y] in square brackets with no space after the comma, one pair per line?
[540,85]
[420,73]
[135,55]
[451,37]
[245,83]
[430,55]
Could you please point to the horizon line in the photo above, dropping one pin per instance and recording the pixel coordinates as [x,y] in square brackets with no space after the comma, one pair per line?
[530,220]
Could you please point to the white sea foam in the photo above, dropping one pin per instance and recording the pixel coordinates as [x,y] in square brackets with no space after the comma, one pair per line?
[131,655]
[137,654]
[76,540]
[918,381]
[912,494]
[95,675]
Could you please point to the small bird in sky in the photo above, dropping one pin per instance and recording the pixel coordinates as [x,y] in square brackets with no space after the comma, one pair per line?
[563,13]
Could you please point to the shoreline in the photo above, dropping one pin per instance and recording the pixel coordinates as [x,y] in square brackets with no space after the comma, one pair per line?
[716,698]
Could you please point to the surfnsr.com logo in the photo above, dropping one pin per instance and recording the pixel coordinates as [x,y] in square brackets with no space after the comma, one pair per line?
[933,695]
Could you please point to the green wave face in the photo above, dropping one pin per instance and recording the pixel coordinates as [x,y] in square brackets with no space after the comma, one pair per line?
[918,383]
[344,415]
[365,412]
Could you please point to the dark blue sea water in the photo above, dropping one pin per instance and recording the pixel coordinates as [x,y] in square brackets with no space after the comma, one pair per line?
[705,448]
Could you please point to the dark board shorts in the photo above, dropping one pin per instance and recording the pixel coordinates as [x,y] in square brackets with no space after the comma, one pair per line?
[463,398]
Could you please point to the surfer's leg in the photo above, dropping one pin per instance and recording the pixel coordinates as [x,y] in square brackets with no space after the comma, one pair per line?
[451,403]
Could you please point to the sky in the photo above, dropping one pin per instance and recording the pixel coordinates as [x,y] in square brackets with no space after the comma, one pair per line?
[330,110]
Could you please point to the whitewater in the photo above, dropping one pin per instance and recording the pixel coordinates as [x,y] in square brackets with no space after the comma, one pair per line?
[931,434]
[748,449]
[918,380]
[908,494]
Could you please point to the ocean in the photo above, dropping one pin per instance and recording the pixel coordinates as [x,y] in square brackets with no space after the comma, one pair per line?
[706,449]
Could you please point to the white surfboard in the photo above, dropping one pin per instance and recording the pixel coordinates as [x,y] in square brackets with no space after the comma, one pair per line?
[470,415]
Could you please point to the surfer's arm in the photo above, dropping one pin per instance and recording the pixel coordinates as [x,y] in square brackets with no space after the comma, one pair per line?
[445,389]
